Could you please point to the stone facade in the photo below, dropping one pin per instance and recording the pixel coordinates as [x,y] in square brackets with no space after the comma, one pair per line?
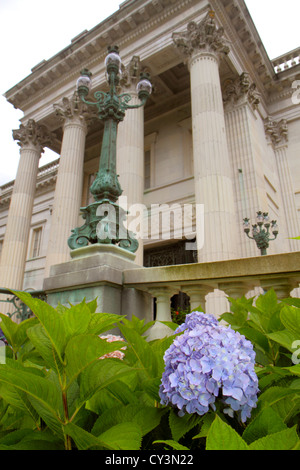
[221,129]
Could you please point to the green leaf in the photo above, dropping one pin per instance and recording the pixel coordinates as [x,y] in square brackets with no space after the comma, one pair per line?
[221,436]
[181,425]
[102,322]
[159,347]
[207,422]
[151,387]
[285,338]
[256,337]
[125,436]
[83,439]
[283,440]
[137,324]
[101,374]
[295,301]
[266,422]
[290,317]
[141,351]
[295,370]
[19,399]
[173,444]
[284,401]
[92,305]
[15,333]
[49,318]
[42,394]
[44,346]
[76,319]
[116,393]
[268,303]
[82,350]
[147,418]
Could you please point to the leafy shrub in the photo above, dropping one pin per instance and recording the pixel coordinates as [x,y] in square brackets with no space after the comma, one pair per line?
[56,393]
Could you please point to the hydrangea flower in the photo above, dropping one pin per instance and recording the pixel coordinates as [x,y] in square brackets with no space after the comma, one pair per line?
[209,362]
[114,354]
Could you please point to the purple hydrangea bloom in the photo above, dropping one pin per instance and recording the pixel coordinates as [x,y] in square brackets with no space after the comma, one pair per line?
[209,361]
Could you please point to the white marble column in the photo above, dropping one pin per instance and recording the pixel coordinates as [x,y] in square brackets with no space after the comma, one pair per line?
[203,46]
[130,150]
[241,101]
[31,139]
[68,191]
[277,133]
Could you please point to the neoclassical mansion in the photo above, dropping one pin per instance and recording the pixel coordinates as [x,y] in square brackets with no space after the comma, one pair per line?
[220,132]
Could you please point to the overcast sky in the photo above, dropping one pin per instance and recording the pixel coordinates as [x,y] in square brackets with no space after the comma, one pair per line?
[33,30]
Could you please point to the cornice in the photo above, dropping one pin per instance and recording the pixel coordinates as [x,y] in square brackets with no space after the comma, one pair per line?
[131,21]
[245,42]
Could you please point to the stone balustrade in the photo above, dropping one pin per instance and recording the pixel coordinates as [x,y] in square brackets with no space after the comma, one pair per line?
[234,277]
[45,173]
[122,287]
[287,61]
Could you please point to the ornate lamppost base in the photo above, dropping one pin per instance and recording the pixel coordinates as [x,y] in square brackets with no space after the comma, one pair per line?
[104,224]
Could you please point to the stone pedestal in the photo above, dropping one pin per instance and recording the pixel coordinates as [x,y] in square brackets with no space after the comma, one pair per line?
[96,271]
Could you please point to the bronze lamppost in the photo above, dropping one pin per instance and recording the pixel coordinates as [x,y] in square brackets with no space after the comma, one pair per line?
[104,218]
[261,231]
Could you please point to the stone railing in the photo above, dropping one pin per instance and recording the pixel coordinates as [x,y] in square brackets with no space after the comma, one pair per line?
[109,273]
[287,61]
[234,277]
[44,172]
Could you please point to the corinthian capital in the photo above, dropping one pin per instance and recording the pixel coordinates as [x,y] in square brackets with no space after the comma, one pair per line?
[204,36]
[235,91]
[32,134]
[73,108]
[276,131]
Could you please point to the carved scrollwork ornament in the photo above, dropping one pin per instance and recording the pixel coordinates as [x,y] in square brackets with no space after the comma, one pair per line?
[72,108]
[276,131]
[242,88]
[32,134]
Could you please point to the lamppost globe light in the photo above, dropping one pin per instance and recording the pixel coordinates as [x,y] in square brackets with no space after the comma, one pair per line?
[113,60]
[246,225]
[261,231]
[84,82]
[260,218]
[274,227]
[111,108]
[144,86]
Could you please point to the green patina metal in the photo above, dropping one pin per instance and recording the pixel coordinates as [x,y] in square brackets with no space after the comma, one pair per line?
[104,219]
[261,231]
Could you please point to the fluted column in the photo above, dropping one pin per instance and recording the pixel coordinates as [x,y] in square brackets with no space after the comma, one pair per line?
[130,150]
[241,100]
[31,139]
[277,134]
[203,46]
[68,191]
